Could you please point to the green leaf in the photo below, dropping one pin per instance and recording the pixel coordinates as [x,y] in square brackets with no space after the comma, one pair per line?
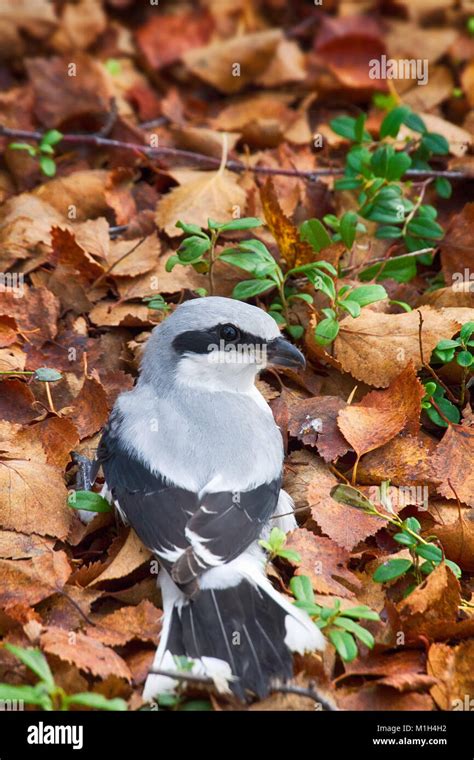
[393,121]
[347,183]
[196,705]
[251,288]
[430,551]
[171,262]
[326,331]
[192,249]
[361,613]
[322,282]
[351,497]
[35,660]
[392,569]
[47,375]
[314,233]
[46,149]
[89,501]
[388,232]
[415,122]
[399,268]
[113,66]
[398,165]
[191,229]
[405,539]
[466,331]
[345,126]
[31,695]
[362,633]
[454,567]
[47,165]
[277,538]
[351,306]
[30,149]
[257,247]
[51,137]
[249,262]
[444,344]
[97,701]
[301,588]
[366,294]
[464,359]
[450,411]
[344,644]
[247,223]
[412,524]
[435,143]
[290,555]
[425,228]
[296,331]
[347,228]
[306,297]
[443,187]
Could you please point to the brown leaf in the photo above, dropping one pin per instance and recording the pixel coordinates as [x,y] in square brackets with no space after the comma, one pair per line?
[454,527]
[457,246]
[382,698]
[382,414]
[84,191]
[374,346]
[32,496]
[90,411]
[16,401]
[161,39]
[36,313]
[292,249]
[60,97]
[432,606]
[129,258]
[314,422]
[452,667]
[113,314]
[131,556]
[206,195]
[58,437]
[454,462]
[406,460]
[85,653]
[215,63]
[28,581]
[141,622]
[15,545]
[323,562]
[347,45]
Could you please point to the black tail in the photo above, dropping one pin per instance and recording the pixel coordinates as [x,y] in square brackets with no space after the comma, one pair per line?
[244,626]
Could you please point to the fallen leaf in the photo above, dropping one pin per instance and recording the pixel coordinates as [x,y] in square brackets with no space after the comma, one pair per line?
[432,607]
[323,562]
[292,249]
[406,461]
[452,668]
[453,463]
[457,247]
[374,346]
[132,555]
[16,400]
[213,195]
[217,63]
[454,527]
[28,581]
[381,415]
[140,623]
[88,654]
[161,40]
[314,422]
[90,411]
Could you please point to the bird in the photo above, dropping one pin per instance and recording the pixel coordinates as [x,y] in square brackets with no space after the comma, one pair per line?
[192,459]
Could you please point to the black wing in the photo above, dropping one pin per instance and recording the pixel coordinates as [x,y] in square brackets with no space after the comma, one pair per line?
[210,531]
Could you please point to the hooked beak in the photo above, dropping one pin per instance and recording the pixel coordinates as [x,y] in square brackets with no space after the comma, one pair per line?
[282,353]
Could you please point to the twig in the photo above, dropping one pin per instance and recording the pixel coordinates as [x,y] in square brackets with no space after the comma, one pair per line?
[431,370]
[385,259]
[310,692]
[98,141]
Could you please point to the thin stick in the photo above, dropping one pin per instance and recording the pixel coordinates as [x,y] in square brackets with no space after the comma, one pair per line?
[431,370]
[234,166]
[116,263]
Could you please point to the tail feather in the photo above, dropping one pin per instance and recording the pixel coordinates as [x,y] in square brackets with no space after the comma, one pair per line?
[245,632]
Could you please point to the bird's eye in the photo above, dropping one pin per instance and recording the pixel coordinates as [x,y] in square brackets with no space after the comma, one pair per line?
[229,333]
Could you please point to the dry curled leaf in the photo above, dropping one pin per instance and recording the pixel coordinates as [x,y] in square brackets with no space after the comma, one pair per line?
[454,464]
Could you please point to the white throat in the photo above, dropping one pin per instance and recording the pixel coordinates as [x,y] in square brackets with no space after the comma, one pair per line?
[206,372]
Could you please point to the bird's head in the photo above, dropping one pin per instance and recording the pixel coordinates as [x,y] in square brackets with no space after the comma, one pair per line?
[219,344]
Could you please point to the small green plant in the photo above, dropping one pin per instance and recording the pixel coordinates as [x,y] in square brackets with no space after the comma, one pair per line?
[435,404]
[407,534]
[376,170]
[44,151]
[340,626]
[461,350]
[275,546]
[198,249]
[46,694]
[156,303]
[176,700]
